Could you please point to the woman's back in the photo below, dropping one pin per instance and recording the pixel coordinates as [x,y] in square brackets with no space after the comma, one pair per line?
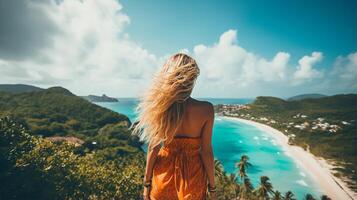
[194,118]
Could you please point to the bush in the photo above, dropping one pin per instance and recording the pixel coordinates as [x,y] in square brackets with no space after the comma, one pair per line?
[36,168]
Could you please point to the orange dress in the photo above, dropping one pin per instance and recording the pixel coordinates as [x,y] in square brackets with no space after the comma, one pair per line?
[179,173]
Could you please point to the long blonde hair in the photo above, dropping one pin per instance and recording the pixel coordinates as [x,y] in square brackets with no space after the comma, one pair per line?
[161,108]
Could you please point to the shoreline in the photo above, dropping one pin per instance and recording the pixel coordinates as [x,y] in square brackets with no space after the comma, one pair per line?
[318,168]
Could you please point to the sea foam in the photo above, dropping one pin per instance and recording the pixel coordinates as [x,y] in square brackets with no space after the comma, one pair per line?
[302,182]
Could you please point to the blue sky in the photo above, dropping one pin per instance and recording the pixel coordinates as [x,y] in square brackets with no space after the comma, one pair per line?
[243,48]
[264,27]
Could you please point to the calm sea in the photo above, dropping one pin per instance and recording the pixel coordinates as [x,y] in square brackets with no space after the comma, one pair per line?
[232,139]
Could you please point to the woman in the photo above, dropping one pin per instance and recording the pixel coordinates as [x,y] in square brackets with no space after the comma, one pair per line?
[178,128]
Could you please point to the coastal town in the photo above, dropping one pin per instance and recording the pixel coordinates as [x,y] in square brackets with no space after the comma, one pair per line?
[298,122]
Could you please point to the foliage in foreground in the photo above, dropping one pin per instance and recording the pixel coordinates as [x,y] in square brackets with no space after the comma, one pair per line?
[36,168]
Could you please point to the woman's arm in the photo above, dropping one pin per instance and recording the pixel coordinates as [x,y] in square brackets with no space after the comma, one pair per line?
[206,147]
[150,162]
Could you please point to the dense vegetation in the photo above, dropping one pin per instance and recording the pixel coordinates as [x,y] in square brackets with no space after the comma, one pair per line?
[36,168]
[340,110]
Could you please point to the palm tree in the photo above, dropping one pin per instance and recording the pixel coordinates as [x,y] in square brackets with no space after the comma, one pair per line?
[246,189]
[289,196]
[265,188]
[235,185]
[218,168]
[277,196]
[325,197]
[242,165]
[309,197]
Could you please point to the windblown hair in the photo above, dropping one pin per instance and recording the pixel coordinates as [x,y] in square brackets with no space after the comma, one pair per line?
[161,108]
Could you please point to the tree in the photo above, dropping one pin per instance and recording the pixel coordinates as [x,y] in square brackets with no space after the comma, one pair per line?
[289,196]
[325,197]
[234,185]
[218,168]
[309,197]
[227,186]
[277,196]
[242,166]
[246,189]
[265,188]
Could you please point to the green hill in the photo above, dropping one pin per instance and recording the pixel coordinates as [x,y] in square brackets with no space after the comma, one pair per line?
[306,96]
[56,111]
[269,104]
[18,88]
[344,106]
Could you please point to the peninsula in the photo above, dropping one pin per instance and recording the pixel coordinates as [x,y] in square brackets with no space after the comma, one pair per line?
[103,98]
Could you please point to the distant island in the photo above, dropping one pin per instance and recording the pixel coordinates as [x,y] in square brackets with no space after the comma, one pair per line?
[306,96]
[103,98]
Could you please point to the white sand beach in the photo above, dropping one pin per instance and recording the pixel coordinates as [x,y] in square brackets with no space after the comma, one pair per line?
[318,168]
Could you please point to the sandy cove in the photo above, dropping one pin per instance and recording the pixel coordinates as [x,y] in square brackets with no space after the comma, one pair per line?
[317,168]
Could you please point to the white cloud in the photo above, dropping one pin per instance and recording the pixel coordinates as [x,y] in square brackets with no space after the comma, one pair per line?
[90,50]
[346,67]
[228,65]
[344,73]
[228,38]
[305,70]
[228,61]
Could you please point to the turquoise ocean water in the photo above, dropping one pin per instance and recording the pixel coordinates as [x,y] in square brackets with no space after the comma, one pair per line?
[231,139]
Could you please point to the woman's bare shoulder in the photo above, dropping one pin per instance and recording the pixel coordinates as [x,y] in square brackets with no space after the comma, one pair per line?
[204,106]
